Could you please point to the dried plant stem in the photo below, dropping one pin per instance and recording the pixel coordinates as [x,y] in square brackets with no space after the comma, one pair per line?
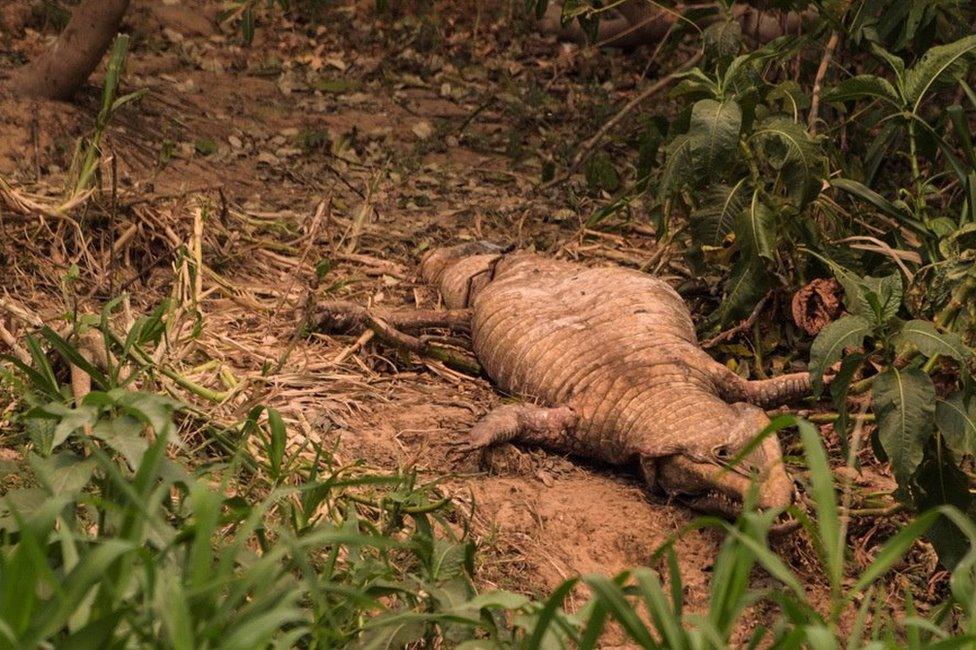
[818,80]
[741,327]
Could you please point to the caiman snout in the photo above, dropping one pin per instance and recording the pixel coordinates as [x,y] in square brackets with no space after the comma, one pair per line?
[719,480]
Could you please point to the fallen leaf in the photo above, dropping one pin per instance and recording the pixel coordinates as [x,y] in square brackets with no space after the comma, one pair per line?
[816,305]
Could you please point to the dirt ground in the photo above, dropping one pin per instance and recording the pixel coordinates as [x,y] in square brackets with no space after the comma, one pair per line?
[350,146]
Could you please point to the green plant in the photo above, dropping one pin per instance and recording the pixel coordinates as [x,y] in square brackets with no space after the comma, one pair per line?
[112,541]
[88,153]
[649,609]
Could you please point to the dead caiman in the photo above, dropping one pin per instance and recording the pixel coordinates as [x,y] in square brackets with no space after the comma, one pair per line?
[608,365]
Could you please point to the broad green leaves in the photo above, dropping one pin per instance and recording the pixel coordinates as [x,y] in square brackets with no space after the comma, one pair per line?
[865,193]
[721,206]
[788,148]
[747,284]
[846,332]
[723,39]
[941,64]
[955,417]
[863,86]
[877,300]
[904,404]
[755,229]
[707,148]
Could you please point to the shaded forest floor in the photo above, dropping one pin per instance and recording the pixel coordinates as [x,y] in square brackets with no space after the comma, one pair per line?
[319,163]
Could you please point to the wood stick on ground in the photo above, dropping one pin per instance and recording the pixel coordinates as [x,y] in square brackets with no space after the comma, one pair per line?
[650,91]
[392,336]
[11,341]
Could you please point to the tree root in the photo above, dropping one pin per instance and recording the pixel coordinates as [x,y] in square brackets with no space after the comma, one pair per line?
[59,72]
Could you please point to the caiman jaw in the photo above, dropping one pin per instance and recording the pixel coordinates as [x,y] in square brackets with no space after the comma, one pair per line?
[713,488]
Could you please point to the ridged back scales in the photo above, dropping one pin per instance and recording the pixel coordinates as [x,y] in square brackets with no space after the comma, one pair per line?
[616,345]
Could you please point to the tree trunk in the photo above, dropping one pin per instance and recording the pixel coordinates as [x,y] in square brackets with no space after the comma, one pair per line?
[59,72]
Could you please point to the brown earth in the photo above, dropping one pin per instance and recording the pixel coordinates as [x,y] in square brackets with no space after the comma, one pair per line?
[362,141]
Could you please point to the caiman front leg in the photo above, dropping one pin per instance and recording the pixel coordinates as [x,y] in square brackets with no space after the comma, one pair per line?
[551,428]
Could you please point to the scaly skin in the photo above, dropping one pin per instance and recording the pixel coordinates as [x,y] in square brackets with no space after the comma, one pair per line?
[609,360]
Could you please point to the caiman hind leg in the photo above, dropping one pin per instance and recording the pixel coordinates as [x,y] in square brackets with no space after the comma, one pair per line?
[392,327]
[340,316]
[551,428]
[766,393]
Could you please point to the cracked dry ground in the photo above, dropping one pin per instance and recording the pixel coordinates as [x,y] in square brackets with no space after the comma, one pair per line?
[359,143]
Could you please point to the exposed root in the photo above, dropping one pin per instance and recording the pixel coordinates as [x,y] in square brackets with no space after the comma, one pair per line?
[60,71]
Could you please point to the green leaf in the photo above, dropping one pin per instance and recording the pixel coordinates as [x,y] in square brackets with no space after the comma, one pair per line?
[896,64]
[827,348]
[679,165]
[839,388]
[63,473]
[955,417]
[71,355]
[278,438]
[931,342]
[716,215]
[723,39]
[939,482]
[69,419]
[862,86]
[500,599]
[601,174]
[938,63]
[718,123]
[788,148]
[829,528]
[612,597]
[755,229]
[707,148]
[880,297]
[904,404]
[154,410]
[865,193]
[123,434]
[747,284]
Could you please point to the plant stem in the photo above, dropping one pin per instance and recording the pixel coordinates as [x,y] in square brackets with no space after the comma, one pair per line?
[920,205]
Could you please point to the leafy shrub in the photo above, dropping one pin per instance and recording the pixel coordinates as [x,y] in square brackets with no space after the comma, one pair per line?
[875,187]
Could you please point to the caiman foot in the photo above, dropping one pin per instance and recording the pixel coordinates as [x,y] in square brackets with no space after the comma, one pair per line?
[546,427]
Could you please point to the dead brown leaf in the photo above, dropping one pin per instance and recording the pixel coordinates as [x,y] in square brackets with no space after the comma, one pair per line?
[816,305]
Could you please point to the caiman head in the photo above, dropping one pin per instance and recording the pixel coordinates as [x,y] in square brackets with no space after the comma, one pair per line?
[706,478]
